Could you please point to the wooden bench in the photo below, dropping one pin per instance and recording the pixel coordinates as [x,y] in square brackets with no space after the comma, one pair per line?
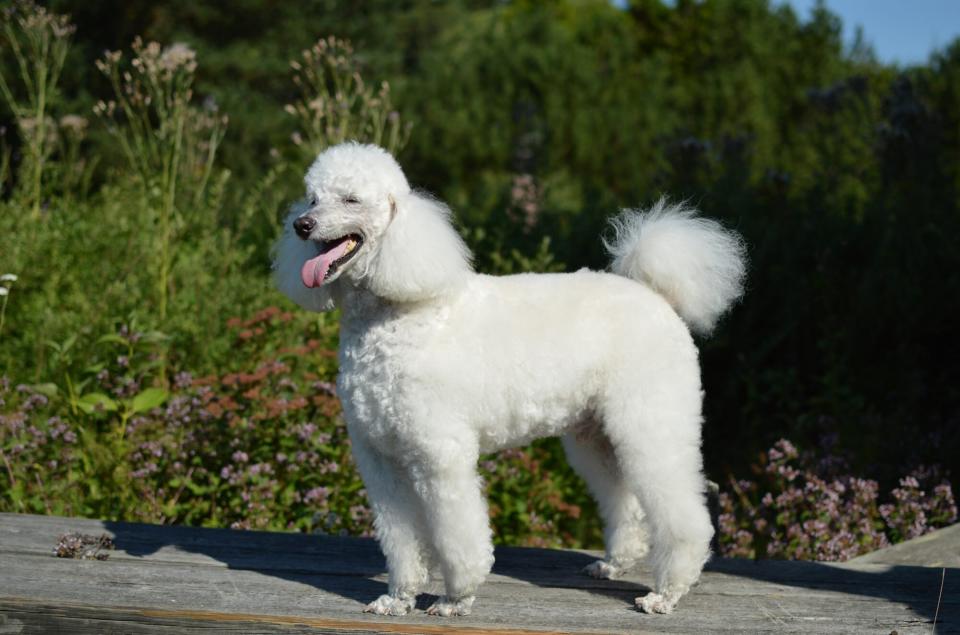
[186,580]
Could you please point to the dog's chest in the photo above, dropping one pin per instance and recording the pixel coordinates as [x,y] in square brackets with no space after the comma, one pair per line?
[375,376]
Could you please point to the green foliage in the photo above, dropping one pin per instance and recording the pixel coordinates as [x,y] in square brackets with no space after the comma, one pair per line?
[39,41]
[169,143]
[248,449]
[536,501]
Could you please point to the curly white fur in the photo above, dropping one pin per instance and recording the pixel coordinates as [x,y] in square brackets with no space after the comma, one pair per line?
[693,262]
[439,364]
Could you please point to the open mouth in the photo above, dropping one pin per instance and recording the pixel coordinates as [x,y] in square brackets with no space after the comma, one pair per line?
[333,256]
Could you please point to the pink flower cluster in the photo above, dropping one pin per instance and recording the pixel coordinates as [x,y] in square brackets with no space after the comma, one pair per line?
[797,510]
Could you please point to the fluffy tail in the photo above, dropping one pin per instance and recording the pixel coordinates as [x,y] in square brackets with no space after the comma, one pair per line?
[696,264]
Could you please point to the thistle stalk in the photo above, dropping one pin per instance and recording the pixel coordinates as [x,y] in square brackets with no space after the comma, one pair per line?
[39,40]
[336,104]
[170,145]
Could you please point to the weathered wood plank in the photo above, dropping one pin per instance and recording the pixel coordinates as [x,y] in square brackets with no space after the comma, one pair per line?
[175,579]
[940,548]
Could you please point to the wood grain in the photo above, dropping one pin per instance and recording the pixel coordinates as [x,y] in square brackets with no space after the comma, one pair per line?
[186,580]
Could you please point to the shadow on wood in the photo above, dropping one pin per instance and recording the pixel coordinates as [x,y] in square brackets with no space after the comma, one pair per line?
[179,579]
[323,561]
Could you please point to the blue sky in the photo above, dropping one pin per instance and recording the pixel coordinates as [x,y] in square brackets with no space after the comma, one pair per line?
[901,31]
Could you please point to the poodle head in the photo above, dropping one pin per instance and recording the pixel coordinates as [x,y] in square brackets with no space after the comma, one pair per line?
[361,225]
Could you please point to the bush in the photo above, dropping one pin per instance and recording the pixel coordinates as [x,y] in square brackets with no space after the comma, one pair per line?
[261,446]
[801,508]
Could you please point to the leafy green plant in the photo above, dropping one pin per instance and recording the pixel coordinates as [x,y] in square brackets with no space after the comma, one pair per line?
[537,501]
[496,258]
[73,169]
[169,143]
[39,40]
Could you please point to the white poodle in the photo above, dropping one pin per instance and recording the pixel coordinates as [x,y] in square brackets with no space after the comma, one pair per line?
[439,364]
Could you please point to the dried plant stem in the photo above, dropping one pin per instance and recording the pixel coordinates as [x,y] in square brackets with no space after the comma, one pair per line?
[167,210]
[42,489]
[6,463]
[39,138]
[336,105]
[3,311]
[936,614]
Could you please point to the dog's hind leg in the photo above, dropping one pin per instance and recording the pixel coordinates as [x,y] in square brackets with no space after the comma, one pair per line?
[400,529]
[654,428]
[624,530]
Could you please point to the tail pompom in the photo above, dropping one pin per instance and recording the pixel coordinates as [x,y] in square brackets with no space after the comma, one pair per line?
[696,264]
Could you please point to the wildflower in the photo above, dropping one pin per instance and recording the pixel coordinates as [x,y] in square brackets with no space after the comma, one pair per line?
[316,494]
[4,291]
[176,56]
[182,380]
[260,468]
[8,277]
[31,125]
[74,123]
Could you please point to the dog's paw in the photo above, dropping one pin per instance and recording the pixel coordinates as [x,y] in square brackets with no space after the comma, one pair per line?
[448,607]
[390,605]
[603,570]
[662,603]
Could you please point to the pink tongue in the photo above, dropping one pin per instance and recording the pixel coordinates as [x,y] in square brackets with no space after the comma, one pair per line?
[315,270]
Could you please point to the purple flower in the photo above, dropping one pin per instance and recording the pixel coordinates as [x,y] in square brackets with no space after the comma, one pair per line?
[807,510]
[317,494]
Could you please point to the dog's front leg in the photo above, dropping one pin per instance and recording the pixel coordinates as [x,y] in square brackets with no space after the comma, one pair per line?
[447,482]
[399,527]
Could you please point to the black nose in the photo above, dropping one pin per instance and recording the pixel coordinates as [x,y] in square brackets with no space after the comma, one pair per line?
[303,226]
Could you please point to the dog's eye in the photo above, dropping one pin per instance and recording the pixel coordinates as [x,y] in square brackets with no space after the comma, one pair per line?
[350,199]
[314,200]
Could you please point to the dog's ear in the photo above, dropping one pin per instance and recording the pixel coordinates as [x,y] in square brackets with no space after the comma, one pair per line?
[289,254]
[420,255]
